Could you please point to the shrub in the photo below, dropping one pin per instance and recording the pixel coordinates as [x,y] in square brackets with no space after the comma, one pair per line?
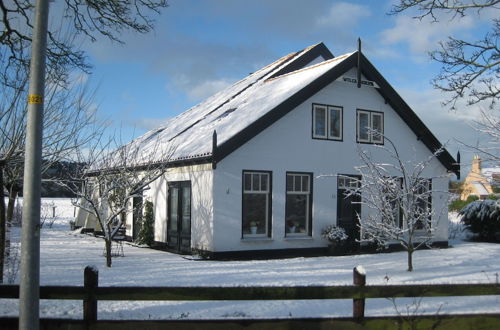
[334,234]
[459,204]
[483,219]
[146,233]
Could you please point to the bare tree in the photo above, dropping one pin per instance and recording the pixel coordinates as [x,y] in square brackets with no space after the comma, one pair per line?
[112,178]
[488,124]
[470,69]
[398,196]
[80,20]
[90,19]
[69,122]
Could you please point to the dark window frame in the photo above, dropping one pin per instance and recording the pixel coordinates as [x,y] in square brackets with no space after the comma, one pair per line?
[327,107]
[370,124]
[269,203]
[309,211]
[428,204]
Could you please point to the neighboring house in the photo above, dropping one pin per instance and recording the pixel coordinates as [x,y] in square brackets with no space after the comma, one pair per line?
[480,182]
[245,176]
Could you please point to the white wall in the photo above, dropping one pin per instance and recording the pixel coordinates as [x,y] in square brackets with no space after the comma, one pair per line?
[201,203]
[287,145]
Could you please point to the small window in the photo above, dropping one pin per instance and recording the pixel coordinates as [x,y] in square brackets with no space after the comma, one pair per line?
[327,122]
[298,208]
[256,204]
[370,126]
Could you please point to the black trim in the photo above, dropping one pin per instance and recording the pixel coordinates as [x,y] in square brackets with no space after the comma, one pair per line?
[304,59]
[310,220]
[170,164]
[264,254]
[327,106]
[270,201]
[383,126]
[385,90]
[214,150]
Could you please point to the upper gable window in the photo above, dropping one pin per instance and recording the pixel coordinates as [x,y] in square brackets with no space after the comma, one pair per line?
[327,122]
[370,126]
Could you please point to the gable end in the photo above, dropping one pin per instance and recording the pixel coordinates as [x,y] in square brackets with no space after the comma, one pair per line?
[369,71]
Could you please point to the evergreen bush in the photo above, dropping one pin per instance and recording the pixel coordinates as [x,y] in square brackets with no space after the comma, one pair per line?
[146,232]
[483,219]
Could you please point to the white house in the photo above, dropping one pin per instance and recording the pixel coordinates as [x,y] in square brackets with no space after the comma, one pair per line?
[246,174]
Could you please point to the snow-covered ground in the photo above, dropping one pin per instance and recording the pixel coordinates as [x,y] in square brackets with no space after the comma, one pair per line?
[64,255]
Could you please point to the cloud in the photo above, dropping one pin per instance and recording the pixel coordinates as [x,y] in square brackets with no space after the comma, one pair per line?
[450,127]
[422,36]
[207,88]
[342,15]
[149,123]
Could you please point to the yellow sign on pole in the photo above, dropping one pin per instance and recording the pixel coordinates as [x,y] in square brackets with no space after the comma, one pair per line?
[35,99]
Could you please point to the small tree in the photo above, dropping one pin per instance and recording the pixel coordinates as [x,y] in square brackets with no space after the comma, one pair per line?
[399,198]
[112,179]
[146,233]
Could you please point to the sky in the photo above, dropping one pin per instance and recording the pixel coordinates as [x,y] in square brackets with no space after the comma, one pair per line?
[201,46]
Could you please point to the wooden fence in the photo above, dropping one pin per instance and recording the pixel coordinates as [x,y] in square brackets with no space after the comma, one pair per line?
[91,293]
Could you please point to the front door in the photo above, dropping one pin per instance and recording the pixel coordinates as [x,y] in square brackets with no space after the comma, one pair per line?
[348,210]
[179,216]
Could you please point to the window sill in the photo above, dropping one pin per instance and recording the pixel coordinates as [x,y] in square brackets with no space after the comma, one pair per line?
[298,238]
[256,239]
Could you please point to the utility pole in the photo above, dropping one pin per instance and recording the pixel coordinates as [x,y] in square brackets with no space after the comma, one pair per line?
[29,293]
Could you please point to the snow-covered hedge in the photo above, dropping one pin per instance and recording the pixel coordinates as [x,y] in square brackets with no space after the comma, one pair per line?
[483,219]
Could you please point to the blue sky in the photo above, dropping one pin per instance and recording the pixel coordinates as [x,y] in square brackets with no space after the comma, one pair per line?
[201,46]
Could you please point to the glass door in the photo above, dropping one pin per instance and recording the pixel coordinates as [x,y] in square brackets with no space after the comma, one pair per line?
[179,216]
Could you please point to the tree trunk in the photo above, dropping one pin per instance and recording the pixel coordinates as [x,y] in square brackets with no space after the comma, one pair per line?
[3,222]
[108,251]
[13,193]
[410,260]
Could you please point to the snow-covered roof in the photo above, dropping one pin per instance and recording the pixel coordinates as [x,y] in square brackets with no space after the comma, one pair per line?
[252,104]
[491,173]
[480,188]
[231,110]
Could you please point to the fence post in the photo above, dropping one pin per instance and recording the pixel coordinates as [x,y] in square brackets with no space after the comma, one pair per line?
[358,279]
[53,211]
[90,284]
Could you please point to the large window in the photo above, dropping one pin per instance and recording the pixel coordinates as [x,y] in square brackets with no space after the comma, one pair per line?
[327,122]
[392,192]
[298,204]
[370,126]
[256,220]
[423,207]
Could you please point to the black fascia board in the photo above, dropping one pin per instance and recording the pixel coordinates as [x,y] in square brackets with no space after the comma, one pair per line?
[409,116]
[304,59]
[283,108]
[169,164]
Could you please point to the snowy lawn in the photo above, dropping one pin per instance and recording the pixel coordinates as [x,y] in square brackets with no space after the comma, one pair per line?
[64,255]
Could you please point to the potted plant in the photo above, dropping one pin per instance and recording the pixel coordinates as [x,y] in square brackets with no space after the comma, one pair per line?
[253,227]
[336,236]
[292,226]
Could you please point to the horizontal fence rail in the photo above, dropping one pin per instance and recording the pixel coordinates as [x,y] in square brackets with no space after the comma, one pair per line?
[91,293]
[259,293]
